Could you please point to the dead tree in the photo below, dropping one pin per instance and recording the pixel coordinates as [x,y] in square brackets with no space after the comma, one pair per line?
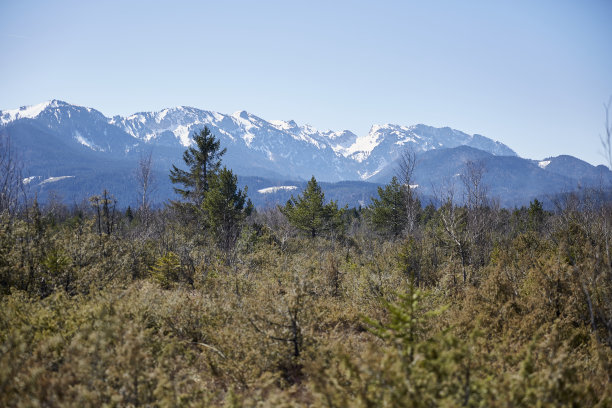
[453,220]
[476,203]
[405,172]
[146,184]
[11,183]
[606,141]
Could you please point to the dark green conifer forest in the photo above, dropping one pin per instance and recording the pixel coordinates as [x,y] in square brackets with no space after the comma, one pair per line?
[209,302]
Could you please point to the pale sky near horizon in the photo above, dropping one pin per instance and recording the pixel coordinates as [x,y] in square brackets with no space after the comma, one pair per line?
[531,74]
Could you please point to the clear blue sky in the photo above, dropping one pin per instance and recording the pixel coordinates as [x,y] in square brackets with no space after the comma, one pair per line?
[532,74]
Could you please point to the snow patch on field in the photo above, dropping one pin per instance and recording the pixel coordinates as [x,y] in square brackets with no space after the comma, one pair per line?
[28,180]
[270,190]
[54,179]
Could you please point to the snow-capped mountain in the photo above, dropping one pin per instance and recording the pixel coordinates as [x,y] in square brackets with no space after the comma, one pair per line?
[337,155]
[384,144]
[278,147]
[77,150]
[255,146]
[85,126]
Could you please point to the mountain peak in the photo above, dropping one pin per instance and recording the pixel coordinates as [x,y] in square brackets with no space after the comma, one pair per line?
[56,103]
[284,143]
[241,114]
[284,125]
[32,111]
[73,139]
[29,112]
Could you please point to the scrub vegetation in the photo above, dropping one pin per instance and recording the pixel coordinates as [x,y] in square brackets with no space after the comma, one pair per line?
[208,302]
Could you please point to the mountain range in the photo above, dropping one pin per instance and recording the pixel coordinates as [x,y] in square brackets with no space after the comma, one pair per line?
[76,151]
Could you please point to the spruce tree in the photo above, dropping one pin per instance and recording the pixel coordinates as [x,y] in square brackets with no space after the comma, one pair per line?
[309,212]
[203,160]
[388,212]
[225,207]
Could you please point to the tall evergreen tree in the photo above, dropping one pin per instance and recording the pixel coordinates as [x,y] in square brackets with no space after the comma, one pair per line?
[389,212]
[310,213]
[536,215]
[203,160]
[225,207]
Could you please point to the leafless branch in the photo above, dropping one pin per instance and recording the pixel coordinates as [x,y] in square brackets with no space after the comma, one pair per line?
[146,184]
[407,164]
[606,141]
[11,181]
[474,189]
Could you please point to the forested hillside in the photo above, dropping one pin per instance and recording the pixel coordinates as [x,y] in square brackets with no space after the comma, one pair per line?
[207,302]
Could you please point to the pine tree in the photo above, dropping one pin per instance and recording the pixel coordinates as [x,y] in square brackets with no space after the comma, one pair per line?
[309,213]
[203,160]
[536,215]
[225,207]
[389,212]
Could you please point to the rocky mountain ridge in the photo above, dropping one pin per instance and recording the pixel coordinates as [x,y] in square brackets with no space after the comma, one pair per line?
[77,151]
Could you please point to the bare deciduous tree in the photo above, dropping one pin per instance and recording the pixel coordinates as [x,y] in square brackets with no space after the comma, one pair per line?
[146,184]
[606,141]
[407,164]
[277,222]
[405,172]
[477,206]
[105,210]
[475,192]
[11,182]
[454,225]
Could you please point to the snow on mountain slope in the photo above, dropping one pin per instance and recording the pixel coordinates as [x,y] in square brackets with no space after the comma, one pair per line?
[282,147]
[543,163]
[254,144]
[29,112]
[344,155]
[84,126]
[383,145]
[180,121]
[278,157]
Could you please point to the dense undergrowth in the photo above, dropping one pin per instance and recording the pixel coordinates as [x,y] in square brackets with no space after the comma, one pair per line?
[470,307]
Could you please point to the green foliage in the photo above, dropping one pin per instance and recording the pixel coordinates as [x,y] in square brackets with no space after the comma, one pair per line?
[309,213]
[536,215]
[215,203]
[203,161]
[167,270]
[389,212]
[153,314]
[410,257]
[405,324]
[58,267]
[225,207]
